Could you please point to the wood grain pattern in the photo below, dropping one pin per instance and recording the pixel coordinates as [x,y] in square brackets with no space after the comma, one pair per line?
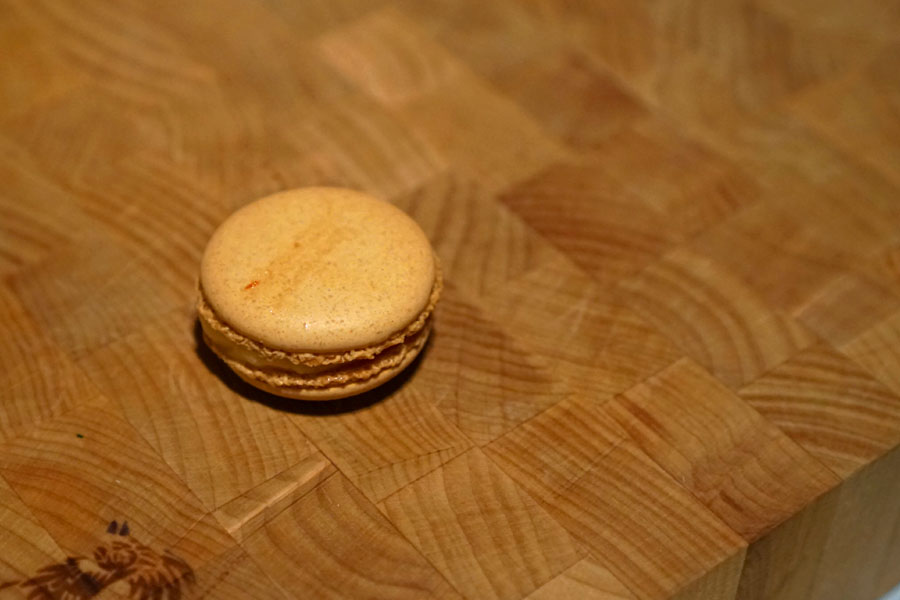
[389,56]
[423,437]
[830,406]
[27,201]
[605,347]
[220,448]
[857,112]
[483,532]
[848,305]
[700,433]
[323,545]
[482,133]
[707,311]
[585,579]
[875,349]
[864,541]
[589,475]
[34,546]
[251,510]
[562,88]
[665,365]
[480,242]
[482,380]
[32,395]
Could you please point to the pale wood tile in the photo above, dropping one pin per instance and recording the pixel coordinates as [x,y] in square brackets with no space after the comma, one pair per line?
[483,532]
[322,544]
[829,405]
[165,382]
[713,317]
[582,468]
[743,468]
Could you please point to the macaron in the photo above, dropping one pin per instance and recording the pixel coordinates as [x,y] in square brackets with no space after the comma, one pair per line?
[318,293]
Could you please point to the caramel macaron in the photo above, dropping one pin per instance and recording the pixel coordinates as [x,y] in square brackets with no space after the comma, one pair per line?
[318,293]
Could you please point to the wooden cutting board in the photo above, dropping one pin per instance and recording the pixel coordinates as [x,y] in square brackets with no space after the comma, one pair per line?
[667,362]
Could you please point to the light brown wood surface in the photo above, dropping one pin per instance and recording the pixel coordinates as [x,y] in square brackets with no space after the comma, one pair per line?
[667,359]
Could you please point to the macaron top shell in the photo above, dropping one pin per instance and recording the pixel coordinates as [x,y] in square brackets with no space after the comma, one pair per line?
[318,270]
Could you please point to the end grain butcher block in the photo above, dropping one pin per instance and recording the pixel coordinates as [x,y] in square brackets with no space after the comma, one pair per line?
[665,363]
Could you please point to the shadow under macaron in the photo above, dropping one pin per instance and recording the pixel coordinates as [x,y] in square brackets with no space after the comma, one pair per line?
[303,407]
